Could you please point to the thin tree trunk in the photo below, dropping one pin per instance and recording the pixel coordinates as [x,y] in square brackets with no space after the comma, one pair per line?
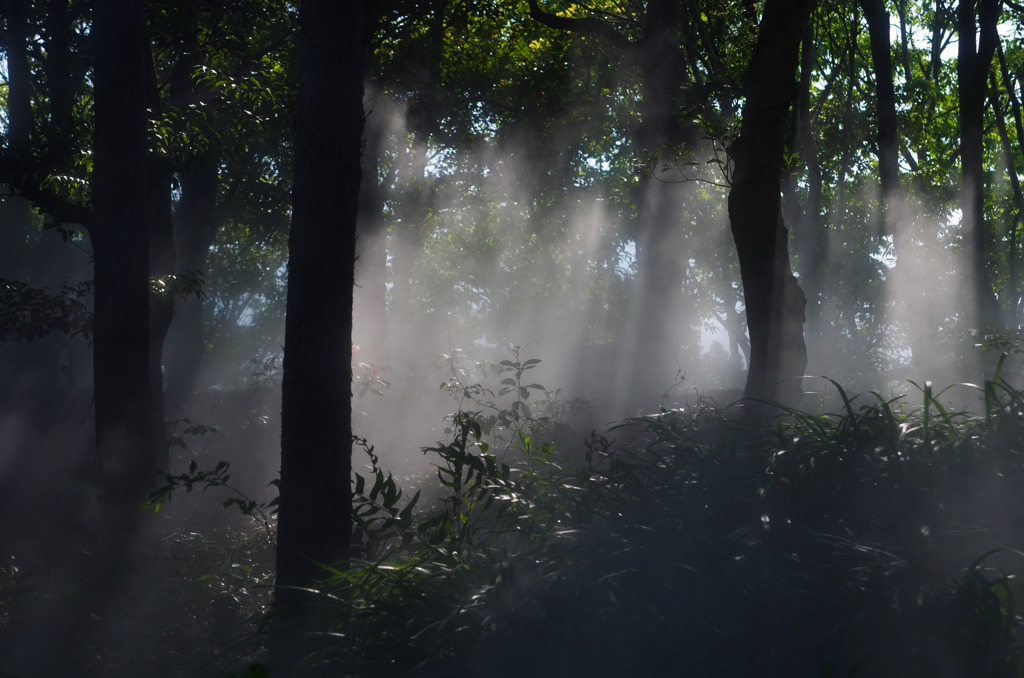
[661,322]
[1018,122]
[1013,283]
[160,221]
[195,223]
[805,219]
[371,264]
[885,101]
[195,226]
[62,78]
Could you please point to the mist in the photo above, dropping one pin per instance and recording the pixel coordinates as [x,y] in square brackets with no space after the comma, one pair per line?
[544,243]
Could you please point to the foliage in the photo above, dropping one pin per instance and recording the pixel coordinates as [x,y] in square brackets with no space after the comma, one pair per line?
[378,517]
[682,534]
[28,313]
[510,417]
[180,432]
[179,285]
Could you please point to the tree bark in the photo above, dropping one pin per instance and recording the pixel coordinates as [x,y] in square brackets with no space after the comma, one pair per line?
[125,438]
[1018,123]
[314,524]
[885,99]
[661,309]
[774,301]
[195,226]
[974,58]
[64,74]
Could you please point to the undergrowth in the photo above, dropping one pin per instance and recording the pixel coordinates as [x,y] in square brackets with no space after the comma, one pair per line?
[877,540]
[876,536]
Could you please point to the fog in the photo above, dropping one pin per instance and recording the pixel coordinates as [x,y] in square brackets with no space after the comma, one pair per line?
[495,252]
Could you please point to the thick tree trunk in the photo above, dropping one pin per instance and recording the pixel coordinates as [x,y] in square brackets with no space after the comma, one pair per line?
[774,301]
[314,526]
[125,437]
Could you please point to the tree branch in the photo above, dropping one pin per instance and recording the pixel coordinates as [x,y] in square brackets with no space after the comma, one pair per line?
[45,199]
[585,25]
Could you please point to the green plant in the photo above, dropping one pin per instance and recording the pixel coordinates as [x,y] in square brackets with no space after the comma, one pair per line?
[368,378]
[495,418]
[470,475]
[377,514]
[218,476]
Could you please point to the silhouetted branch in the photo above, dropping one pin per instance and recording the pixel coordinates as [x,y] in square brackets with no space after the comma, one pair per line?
[585,25]
[45,199]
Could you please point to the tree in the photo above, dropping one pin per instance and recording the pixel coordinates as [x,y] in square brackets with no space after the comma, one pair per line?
[976,47]
[126,437]
[314,526]
[774,301]
[885,99]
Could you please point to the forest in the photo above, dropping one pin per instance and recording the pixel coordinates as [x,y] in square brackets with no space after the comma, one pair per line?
[481,339]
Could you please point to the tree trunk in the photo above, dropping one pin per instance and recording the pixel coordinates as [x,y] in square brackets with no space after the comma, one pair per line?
[63,75]
[885,96]
[1014,256]
[160,221]
[974,58]
[371,295]
[125,438]
[410,231]
[774,301]
[314,525]
[19,99]
[1014,213]
[195,222]
[809,234]
[195,226]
